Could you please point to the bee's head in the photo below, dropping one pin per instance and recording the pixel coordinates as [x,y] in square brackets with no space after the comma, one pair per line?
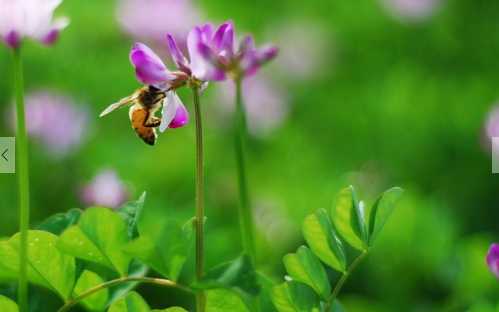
[150,95]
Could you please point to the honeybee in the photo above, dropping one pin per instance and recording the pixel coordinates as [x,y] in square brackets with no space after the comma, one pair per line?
[145,102]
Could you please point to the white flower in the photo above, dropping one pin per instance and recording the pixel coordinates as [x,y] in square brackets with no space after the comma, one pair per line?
[30,18]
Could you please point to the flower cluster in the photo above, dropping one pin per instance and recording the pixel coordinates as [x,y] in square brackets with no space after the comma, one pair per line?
[30,18]
[219,55]
[212,56]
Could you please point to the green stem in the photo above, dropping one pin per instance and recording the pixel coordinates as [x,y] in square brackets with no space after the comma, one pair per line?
[344,278]
[200,298]
[246,222]
[147,280]
[23,180]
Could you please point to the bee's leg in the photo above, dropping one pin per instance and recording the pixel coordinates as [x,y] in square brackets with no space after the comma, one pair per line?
[152,121]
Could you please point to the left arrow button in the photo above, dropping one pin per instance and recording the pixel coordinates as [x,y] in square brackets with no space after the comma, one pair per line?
[7,154]
[4,154]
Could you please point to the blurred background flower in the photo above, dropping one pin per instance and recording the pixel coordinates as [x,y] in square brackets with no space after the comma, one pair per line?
[411,10]
[106,189]
[34,19]
[305,49]
[55,121]
[492,123]
[151,20]
[493,259]
[266,104]
[271,220]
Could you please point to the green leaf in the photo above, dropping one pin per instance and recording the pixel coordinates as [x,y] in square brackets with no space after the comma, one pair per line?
[164,249]
[322,240]
[172,309]
[293,296]
[381,211]
[7,305]
[9,264]
[132,302]
[224,300]
[131,212]
[349,219]
[99,237]
[56,224]
[265,300]
[238,273]
[303,266]
[96,301]
[47,266]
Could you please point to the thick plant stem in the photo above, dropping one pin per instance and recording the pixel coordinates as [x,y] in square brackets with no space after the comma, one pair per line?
[200,298]
[246,223]
[146,280]
[344,278]
[23,181]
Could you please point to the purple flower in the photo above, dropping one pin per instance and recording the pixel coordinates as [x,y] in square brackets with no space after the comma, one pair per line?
[55,121]
[29,18]
[151,70]
[196,66]
[214,56]
[493,259]
[149,20]
[304,49]
[106,189]
[411,10]
[265,103]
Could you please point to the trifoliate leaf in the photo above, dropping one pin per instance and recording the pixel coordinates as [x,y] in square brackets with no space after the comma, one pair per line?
[322,240]
[303,266]
[348,218]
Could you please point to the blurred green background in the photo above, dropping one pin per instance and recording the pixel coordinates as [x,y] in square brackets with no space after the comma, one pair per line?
[395,100]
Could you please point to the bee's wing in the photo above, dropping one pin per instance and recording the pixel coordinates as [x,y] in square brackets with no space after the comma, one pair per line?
[123,102]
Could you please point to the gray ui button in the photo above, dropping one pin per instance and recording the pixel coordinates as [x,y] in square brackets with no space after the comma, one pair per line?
[7,155]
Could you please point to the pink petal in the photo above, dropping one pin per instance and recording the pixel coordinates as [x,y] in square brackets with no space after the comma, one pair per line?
[201,68]
[267,53]
[223,40]
[53,34]
[247,44]
[219,35]
[51,37]
[177,55]
[206,32]
[252,60]
[149,68]
[227,44]
[175,114]
[13,39]
[493,259]
[181,117]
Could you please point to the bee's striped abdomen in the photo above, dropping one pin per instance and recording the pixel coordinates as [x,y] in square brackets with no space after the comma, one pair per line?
[138,117]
